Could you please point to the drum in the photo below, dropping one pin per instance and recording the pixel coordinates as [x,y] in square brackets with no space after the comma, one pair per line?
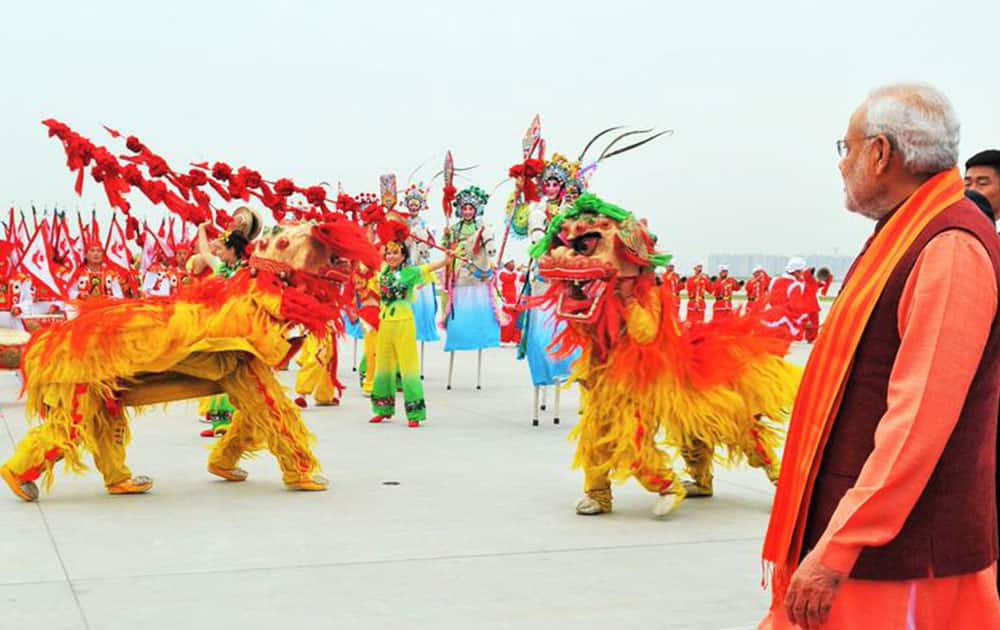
[12,343]
[36,322]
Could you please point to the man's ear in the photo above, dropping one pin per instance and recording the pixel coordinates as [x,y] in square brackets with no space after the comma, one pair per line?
[882,151]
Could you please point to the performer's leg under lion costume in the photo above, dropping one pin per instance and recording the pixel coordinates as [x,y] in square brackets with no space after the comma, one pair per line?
[648,380]
[219,337]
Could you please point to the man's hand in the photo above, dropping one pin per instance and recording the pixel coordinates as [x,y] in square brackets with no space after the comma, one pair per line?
[811,592]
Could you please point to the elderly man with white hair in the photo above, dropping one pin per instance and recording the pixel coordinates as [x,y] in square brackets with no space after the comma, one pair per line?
[885,514]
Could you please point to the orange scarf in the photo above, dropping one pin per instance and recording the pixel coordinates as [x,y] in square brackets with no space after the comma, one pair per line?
[826,372]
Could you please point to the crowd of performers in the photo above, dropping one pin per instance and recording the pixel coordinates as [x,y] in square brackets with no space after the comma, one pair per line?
[588,308]
[788,303]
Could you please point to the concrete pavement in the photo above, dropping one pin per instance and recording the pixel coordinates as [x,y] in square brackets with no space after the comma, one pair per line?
[467,522]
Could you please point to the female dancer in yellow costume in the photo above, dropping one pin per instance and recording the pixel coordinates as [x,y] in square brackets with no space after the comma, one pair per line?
[397,333]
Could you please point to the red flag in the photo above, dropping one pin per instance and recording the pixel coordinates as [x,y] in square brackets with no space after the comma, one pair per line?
[23,235]
[171,241]
[54,232]
[73,246]
[83,229]
[72,249]
[95,231]
[37,263]
[115,249]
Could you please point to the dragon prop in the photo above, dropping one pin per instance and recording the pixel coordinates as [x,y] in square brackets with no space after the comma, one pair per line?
[215,336]
[650,381]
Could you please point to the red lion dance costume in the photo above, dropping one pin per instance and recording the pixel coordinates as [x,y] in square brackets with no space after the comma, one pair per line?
[647,379]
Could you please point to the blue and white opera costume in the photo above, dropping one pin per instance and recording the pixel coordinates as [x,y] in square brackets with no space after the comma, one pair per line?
[353,329]
[540,326]
[425,305]
[471,313]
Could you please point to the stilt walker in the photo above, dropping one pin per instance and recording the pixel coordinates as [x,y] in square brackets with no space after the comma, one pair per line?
[447,198]
[451,368]
[419,243]
[558,179]
[472,313]
[540,325]
[527,216]
[352,329]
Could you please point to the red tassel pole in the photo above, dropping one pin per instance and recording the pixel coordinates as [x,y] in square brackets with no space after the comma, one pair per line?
[448,196]
[526,172]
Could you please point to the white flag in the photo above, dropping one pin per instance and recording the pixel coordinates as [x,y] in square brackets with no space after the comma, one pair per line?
[37,263]
[115,251]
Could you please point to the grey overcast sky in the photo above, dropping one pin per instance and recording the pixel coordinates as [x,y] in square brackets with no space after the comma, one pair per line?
[757,93]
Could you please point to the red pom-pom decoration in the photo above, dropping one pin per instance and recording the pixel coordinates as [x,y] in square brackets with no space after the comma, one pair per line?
[132,144]
[284,187]
[222,171]
[392,231]
[316,195]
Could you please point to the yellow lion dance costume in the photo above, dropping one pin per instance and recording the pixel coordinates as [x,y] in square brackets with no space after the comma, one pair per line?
[220,336]
[647,379]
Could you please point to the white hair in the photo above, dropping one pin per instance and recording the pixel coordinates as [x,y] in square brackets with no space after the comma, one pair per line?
[920,122]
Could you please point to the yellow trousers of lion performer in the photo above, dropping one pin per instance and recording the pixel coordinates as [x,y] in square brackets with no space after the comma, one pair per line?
[275,425]
[83,420]
[678,403]
[314,374]
[603,457]
[78,418]
[370,347]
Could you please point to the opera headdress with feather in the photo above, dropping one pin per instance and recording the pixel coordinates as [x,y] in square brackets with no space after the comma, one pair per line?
[473,196]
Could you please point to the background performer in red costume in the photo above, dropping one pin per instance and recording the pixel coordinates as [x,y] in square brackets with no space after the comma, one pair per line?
[786,306]
[697,286]
[508,278]
[722,289]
